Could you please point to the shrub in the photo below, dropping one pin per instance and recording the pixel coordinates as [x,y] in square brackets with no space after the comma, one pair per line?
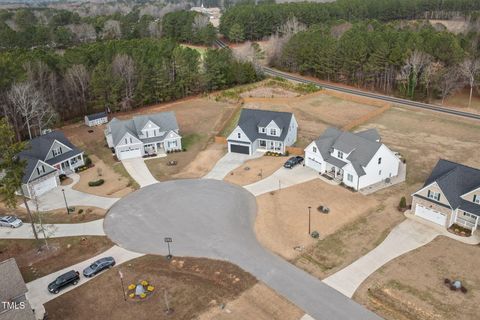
[315,234]
[87,161]
[286,153]
[80,211]
[446,281]
[62,177]
[463,289]
[403,203]
[96,183]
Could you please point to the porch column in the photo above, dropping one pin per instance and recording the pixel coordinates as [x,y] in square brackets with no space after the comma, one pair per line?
[475,225]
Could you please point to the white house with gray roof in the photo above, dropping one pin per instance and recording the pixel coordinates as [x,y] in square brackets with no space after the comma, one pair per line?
[143,135]
[356,159]
[263,130]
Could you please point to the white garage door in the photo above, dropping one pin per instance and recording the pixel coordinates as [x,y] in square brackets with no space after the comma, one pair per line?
[430,215]
[313,164]
[129,154]
[44,186]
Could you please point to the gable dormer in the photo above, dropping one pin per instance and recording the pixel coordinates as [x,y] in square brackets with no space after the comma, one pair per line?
[150,130]
[472,196]
[56,149]
[41,169]
[272,129]
[339,154]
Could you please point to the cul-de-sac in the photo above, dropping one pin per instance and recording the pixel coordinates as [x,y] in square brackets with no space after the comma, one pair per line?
[220,160]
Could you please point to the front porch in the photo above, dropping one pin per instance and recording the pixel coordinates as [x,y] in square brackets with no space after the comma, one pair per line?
[466,220]
[153,148]
[270,145]
[69,165]
[334,173]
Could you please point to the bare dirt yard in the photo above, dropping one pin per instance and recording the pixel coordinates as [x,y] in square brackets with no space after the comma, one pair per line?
[314,112]
[61,253]
[203,162]
[282,218]
[192,286]
[199,121]
[412,286]
[81,214]
[259,303]
[115,185]
[360,233]
[424,137]
[255,170]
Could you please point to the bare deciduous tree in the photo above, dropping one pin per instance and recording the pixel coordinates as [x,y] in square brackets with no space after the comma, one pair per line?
[112,30]
[281,37]
[200,21]
[78,82]
[123,67]
[412,70]
[470,68]
[448,82]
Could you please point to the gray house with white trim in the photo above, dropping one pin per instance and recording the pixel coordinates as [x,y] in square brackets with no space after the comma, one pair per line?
[46,157]
[263,130]
[143,135]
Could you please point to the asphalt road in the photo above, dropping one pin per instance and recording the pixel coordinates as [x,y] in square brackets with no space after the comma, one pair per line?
[400,101]
[215,219]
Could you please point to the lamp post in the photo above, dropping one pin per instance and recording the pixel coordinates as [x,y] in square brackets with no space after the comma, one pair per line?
[309,219]
[65,199]
[167,241]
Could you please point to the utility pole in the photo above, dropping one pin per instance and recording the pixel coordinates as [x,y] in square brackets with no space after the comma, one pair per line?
[65,199]
[309,219]
[167,241]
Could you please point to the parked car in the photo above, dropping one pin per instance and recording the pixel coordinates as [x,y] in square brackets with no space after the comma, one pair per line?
[293,161]
[10,221]
[99,265]
[71,277]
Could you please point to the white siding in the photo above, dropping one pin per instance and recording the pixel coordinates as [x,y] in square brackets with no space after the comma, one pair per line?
[313,159]
[291,137]
[348,169]
[377,172]
[234,135]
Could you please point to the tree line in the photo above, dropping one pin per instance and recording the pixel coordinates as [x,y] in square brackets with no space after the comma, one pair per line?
[413,60]
[255,22]
[39,87]
[31,28]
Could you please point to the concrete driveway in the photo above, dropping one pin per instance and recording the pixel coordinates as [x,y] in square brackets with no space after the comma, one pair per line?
[282,178]
[93,228]
[214,219]
[229,162]
[37,290]
[405,237]
[54,199]
[138,170]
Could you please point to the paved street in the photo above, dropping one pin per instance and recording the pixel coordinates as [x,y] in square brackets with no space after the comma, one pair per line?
[93,228]
[54,199]
[405,237]
[138,170]
[208,218]
[37,290]
[229,162]
[282,178]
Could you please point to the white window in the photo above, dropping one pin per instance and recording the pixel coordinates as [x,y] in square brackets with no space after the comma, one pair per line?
[433,195]
[379,160]
[262,130]
[469,215]
[273,132]
[239,135]
[126,141]
[349,177]
[340,154]
[57,151]
[314,149]
[131,141]
[379,172]
[476,198]
[147,132]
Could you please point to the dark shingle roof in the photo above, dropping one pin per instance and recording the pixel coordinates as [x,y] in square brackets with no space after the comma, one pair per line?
[361,147]
[96,116]
[455,180]
[38,148]
[251,119]
[12,282]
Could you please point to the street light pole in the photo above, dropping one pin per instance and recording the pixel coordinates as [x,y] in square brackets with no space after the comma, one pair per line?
[309,219]
[167,241]
[65,199]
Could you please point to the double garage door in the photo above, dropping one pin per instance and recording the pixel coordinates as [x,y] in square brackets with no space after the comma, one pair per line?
[312,163]
[430,215]
[238,148]
[44,186]
[130,153]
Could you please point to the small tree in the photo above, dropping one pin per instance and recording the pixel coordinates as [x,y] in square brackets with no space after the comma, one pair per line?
[403,203]
[236,33]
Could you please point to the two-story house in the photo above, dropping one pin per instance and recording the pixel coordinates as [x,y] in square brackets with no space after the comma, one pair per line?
[47,156]
[263,130]
[356,159]
[450,195]
[142,135]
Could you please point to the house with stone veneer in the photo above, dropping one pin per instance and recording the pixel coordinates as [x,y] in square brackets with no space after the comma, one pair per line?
[450,195]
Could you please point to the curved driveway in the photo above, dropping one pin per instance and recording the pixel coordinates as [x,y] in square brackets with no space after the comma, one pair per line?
[214,219]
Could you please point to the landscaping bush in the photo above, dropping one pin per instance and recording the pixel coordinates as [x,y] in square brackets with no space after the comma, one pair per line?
[463,289]
[87,161]
[315,234]
[403,204]
[62,177]
[80,211]
[96,183]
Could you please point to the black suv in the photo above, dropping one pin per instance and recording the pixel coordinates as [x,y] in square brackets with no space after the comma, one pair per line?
[71,277]
[293,161]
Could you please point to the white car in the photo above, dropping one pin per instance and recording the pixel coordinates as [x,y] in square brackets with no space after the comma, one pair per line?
[10,221]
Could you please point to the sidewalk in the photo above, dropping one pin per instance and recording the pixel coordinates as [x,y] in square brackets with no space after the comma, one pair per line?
[93,228]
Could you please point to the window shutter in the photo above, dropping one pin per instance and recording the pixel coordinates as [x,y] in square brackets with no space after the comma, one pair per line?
[475,198]
[428,194]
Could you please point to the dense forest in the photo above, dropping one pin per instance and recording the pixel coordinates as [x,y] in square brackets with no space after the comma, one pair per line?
[50,28]
[414,59]
[38,87]
[252,22]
